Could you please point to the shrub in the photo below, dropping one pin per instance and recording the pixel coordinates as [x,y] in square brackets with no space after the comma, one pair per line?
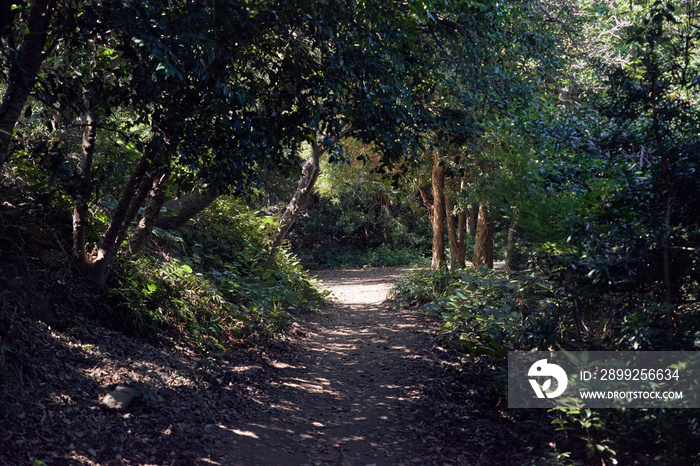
[217,283]
[485,313]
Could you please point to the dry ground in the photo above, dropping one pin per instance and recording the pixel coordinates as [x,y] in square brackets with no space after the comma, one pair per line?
[359,380]
[366,379]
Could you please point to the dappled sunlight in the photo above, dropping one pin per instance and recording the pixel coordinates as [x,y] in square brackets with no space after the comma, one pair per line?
[351,438]
[261,426]
[282,365]
[246,368]
[244,433]
[284,406]
[355,385]
[310,386]
[208,461]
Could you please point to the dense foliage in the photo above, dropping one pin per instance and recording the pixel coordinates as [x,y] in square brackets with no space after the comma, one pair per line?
[215,281]
[214,284]
[357,218]
[602,184]
[561,137]
[485,313]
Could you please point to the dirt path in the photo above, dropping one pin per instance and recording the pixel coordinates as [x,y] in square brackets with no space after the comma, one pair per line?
[365,381]
[358,377]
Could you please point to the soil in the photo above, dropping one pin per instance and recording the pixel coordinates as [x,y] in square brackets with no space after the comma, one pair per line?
[360,382]
[369,386]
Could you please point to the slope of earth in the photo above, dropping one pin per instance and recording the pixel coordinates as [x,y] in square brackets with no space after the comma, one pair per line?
[359,383]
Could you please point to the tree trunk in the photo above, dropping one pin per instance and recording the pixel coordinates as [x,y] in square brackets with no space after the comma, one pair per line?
[461,237]
[309,175]
[483,244]
[84,187]
[133,195]
[156,198]
[457,261]
[514,257]
[472,216]
[462,232]
[185,207]
[23,71]
[438,178]
[385,203]
[425,195]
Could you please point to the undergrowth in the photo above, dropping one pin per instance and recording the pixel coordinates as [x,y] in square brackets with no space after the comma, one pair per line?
[217,283]
[486,313]
[341,257]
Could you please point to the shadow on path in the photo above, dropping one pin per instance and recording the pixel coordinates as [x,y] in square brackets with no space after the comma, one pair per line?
[363,381]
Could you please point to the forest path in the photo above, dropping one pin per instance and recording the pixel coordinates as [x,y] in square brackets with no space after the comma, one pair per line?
[365,379]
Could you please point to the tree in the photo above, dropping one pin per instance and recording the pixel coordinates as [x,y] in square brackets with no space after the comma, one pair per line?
[373,69]
[24,62]
[513,52]
[651,103]
[146,58]
[483,244]
[438,216]
[457,225]
[195,88]
[309,175]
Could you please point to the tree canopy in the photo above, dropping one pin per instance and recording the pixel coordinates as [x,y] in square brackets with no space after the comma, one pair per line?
[188,146]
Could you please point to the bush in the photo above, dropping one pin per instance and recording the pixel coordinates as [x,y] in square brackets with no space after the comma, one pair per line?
[421,286]
[217,283]
[356,218]
[485,313]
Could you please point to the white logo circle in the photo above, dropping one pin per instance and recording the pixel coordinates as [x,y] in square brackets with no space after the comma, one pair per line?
[542,368]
